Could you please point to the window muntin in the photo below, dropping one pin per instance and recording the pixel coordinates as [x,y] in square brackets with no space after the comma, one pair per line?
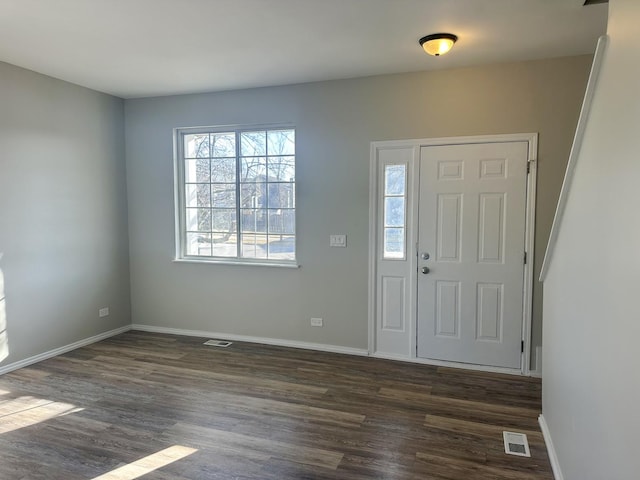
[237,195]
[394,200]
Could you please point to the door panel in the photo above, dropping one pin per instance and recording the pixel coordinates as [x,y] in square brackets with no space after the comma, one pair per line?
[448,309]
[449,227]
[393,300]
[472,211]
[489,311]
[491,228]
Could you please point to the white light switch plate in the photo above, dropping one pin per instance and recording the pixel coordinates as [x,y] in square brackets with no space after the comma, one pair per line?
[337,240]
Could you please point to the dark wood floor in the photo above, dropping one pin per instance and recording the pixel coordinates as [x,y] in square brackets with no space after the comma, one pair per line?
[259,412]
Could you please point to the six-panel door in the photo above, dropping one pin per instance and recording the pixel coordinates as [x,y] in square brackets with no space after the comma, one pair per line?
[471,226]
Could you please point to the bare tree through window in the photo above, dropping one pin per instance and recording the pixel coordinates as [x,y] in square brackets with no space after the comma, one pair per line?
[239,194]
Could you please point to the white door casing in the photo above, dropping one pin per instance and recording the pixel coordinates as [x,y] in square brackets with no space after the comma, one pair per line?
[393,283]
[471,223]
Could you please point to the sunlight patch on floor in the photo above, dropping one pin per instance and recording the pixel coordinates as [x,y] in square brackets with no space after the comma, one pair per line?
[27,411]
[148,464]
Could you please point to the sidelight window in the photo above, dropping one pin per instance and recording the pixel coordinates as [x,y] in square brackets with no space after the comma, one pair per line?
[394,211]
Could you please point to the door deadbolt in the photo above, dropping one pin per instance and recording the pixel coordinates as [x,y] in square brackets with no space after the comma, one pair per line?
[425,256]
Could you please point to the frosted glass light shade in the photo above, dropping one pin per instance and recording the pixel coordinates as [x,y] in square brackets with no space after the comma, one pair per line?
[438,43]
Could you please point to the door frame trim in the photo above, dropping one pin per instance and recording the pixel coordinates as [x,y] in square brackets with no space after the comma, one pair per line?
[412,205]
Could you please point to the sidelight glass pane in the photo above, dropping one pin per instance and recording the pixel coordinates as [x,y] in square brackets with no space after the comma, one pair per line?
[394,243]
[395,179]
[394,212]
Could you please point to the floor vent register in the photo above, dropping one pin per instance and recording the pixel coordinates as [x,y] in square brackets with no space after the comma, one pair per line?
[217,343]
[516,444]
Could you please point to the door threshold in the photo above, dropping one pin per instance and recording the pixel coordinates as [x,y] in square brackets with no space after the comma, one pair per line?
[443,363]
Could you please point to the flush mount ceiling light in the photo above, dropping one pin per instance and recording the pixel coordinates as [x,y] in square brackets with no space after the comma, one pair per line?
[438,43]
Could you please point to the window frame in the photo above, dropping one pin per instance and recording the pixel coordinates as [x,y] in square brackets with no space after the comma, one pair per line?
[383,209]
[180,209]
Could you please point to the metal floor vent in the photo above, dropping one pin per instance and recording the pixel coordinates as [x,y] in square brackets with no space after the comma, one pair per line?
[217,343]
[516,444]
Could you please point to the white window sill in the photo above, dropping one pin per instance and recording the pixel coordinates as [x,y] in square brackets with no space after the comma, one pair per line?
[236,262]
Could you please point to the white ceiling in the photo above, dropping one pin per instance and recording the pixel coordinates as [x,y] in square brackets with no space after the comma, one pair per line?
[135,48]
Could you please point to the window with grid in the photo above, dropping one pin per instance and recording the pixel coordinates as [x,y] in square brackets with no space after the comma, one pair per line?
[236,195]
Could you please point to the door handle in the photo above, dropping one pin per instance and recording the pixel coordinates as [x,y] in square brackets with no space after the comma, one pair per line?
[425,270]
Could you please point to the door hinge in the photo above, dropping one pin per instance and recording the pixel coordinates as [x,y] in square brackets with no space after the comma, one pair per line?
[525,258]
[521,346]
[528,167]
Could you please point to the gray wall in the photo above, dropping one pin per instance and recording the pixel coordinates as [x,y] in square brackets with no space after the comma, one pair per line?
[63,212]
[591,391]
[335,122]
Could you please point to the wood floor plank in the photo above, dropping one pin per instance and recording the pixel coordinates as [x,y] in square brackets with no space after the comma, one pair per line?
[260,412]
[246,381]
[474,428]
[483,412]
[405,396]
[250,446]
[443,467]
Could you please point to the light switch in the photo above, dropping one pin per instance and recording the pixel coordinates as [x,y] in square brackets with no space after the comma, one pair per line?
[337,240]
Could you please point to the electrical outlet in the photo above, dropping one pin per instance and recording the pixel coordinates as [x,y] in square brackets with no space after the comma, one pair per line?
[316,322]
[337,241]
[103,312]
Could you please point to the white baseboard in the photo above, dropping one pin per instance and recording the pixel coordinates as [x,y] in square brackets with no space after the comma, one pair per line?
[245,338]
[441,363]
[551,451]
[59,351]
[537,371]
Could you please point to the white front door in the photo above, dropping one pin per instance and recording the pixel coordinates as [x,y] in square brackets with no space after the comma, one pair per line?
[471,238]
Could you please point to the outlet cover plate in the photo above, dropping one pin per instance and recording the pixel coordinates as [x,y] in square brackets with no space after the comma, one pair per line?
[316,322]
[103,312]
[337,240]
